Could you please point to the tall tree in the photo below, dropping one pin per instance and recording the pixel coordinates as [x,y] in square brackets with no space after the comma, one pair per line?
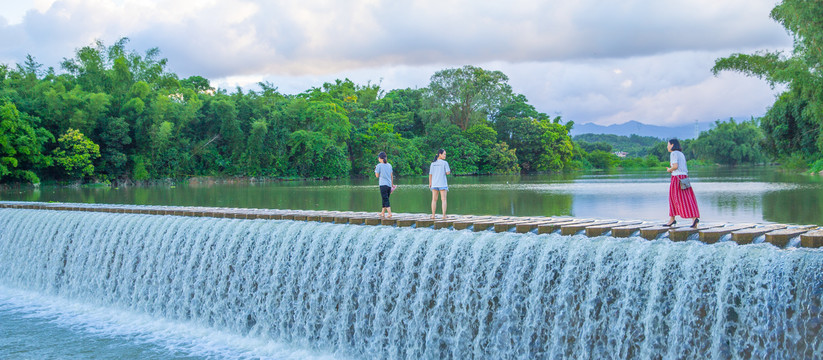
[731,143]
[21,144]
[469,93]
[802,72]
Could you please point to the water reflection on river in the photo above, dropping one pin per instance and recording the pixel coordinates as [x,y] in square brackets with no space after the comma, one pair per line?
[723,194]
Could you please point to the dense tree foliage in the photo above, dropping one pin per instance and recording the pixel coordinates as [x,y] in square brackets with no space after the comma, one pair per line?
[113,114]
[469,94]
[21,144]
[792,126]
[633,145]
[731,143]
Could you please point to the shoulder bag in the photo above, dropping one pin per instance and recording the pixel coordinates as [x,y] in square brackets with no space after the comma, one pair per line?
[685,183]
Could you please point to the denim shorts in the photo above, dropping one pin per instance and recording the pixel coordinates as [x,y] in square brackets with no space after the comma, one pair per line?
[441,188]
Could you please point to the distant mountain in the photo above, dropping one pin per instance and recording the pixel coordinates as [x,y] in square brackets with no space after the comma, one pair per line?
[638,128]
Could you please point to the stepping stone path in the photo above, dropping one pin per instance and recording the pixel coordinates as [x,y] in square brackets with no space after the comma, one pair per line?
[780,235]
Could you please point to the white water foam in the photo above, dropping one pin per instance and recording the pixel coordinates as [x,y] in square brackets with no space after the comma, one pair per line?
[382,292]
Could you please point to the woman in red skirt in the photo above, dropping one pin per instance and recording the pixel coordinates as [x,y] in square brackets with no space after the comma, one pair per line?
[681,201]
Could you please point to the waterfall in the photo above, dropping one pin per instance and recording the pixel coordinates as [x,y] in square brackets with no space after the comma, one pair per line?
[400,293]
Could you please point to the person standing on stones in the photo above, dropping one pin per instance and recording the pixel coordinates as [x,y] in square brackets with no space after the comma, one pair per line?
[437,181]
[385,175]
[682,201]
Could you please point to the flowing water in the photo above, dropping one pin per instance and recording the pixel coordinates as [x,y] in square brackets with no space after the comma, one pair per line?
[99,285]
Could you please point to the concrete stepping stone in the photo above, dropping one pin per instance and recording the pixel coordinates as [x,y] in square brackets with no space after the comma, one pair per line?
[424,223]
[443,224]
[747,236]
[597,230]
[572,229]
[464,223]
[780,238]
[527,227]
[357,220]
[483,225]
[372,220]
[652,232]
[713,235]
[506,225]
[629,230]
[409,220]
[812,239]
[683,233]
[552,227]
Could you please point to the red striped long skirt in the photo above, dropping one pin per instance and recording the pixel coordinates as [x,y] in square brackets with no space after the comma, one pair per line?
[682,202]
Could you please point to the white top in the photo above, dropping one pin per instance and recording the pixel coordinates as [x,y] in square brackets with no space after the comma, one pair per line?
[677,157]
[438,170]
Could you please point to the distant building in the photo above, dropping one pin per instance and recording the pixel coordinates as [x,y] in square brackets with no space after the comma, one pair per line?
[621,154]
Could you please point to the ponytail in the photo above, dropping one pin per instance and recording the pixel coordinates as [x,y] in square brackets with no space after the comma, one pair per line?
[438,154]
[382,156]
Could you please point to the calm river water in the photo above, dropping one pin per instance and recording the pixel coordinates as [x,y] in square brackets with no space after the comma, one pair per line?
[723,194]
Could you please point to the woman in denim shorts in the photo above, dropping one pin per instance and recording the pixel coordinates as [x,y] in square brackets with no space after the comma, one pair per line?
[437,180]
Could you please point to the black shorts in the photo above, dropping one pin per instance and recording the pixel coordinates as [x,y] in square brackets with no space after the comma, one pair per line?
[385,191]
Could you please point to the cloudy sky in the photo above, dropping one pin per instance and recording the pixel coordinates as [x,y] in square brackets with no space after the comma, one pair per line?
[595,61]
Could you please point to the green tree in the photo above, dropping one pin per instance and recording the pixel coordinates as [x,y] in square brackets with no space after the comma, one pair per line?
[256,157]
[485,137]
[230,131]
[331,120]
[151,124]
[798,112]
[402,109]
[197,83]
[75,154]
[602,159]
[114,141]
[600,145]
[469,93]
[731,143]
[501,160]
[89,67]
[482,135]
[21,145]
[509,118]
[541,145]
[404,156]
[556,145]
[463,155]
[315,155]
[633,145]
[789,127]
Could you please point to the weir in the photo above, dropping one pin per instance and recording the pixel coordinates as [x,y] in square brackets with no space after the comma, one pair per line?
[776,234]
[412,293]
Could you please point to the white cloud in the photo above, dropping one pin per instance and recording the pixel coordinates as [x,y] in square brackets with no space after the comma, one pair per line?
[730,95]
[589,60]
[665,89]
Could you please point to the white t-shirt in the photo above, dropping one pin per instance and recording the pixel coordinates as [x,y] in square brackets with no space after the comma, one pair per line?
[677,157]
[438,170]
